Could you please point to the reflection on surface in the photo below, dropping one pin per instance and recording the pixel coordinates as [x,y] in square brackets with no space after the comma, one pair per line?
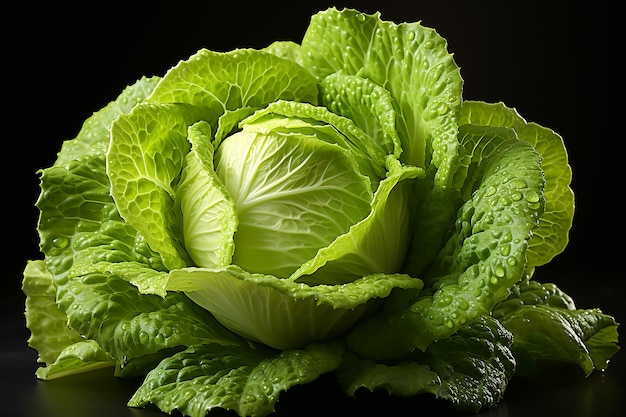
[568,393]
[564,391]
[555,392]
[95,393]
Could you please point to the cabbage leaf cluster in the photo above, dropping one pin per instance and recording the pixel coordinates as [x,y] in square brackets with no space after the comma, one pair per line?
[254,219]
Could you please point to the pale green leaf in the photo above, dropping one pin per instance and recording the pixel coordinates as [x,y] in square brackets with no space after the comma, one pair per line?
[294,194]
[281,313]
[208,213]
[145,159]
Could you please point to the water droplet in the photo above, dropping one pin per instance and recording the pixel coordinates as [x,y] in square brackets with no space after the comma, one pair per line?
[499,271]
[410,36]
[516,196]
[491,190]
[511,261]
[449,324]
[360,17]
[519,183]
[442,109]
[444,300]
[532,196]
[438,319]
[60,242]
[505,249]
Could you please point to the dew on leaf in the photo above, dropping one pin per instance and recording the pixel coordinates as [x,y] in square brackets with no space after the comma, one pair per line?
[60,242]
[499,271]
[491,190]
[532,196]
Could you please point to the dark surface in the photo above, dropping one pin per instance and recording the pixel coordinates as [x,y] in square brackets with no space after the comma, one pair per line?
[553,61]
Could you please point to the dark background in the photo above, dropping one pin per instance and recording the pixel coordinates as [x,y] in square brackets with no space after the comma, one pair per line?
[552,60]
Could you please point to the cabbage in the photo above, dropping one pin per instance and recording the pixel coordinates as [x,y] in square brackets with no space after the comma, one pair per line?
[254,219]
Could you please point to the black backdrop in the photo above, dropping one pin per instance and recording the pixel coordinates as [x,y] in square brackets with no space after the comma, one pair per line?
[544,58]
[552,60]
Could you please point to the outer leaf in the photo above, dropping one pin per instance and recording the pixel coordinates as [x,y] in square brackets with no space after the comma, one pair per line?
[471,368]
[531,292]
[244,380]
[552,235]
[91,253]
[79,220]
[128,324]
[93,138]
[548,333]
[48,325]
[485,255]
[145,158]
[281,313]
[219,82]
[410,61]
[61,348]
[83,356]
[548,327]
[142,276]
[405,379]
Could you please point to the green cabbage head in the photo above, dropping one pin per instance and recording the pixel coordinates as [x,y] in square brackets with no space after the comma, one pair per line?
[275,214]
